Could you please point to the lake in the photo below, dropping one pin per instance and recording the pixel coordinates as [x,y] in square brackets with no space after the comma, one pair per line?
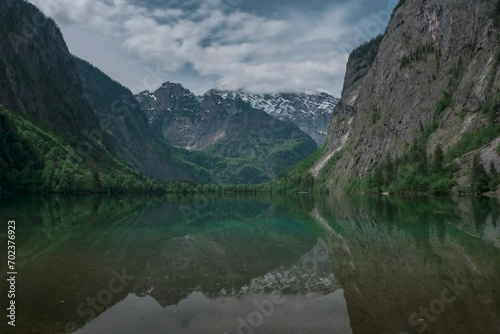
[253,264]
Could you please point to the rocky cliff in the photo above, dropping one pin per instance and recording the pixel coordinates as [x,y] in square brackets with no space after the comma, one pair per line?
[218,124]
[37,75]
[433,77]
[310,112]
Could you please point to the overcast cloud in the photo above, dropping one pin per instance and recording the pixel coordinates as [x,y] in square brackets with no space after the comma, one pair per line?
[255,45]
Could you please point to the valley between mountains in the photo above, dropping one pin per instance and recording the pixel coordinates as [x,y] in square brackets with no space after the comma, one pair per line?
[419,113]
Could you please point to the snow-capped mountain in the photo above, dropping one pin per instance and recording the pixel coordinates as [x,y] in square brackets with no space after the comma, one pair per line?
[311,273]
[226,127]
[310,112]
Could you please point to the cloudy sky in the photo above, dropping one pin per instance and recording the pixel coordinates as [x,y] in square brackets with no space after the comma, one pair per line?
[261,46]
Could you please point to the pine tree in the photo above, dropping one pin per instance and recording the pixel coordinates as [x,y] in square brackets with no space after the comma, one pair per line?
[493,177]
[389,172]
[378,178]
[479,178]
[420,158]
[438,159]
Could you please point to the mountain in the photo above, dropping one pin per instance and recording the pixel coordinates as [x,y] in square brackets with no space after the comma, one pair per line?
[68,127]
[310,112]
[129,136]
[58,131]
[263,145]
[38,78]
[420,105]
[172,111]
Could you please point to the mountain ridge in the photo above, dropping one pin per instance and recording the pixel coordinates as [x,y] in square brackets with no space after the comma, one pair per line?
[310,112]
[225,127]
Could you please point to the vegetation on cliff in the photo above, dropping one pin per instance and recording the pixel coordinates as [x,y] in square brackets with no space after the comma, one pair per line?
[34,159]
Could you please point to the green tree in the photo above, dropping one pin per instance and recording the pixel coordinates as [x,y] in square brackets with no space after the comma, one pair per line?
[390,171]
[438,159]
[493,176]
[479,178]
[378,178]
[419,157]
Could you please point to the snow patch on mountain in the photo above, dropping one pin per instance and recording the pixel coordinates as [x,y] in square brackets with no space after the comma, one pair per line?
[310,112]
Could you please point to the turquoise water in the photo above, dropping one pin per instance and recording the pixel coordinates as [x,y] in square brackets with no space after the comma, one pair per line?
[254,264]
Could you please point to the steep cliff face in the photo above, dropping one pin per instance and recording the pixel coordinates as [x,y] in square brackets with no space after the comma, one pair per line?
[172,112]
[310,112]
[37,75]
[437,63]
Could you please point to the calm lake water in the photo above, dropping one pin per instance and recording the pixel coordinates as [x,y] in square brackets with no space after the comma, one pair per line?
[253,264]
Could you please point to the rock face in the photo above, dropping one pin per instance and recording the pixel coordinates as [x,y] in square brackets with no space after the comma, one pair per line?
[172,112]
[226,126]
[310,112]
[37,75]
[393,84]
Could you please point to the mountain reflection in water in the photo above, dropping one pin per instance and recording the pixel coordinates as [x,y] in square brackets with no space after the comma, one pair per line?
[255,264]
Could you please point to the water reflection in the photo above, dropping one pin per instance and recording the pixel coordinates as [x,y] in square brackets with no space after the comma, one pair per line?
[247,314]
[252,264]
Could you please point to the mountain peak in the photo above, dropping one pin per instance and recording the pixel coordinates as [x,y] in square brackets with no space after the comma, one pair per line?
[174,88]
[167,89]
[311,112]
[223,93]
[168,84]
